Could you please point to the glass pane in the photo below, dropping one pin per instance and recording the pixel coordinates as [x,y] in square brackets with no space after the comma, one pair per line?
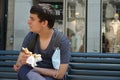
[59,16]
[76,10]
[111,26]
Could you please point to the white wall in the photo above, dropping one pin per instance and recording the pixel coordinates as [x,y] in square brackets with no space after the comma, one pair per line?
[93,26]
[21,15]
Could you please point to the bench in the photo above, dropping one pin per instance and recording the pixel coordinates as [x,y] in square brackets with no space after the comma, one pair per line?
[83,66]
[7,60]
[94,66]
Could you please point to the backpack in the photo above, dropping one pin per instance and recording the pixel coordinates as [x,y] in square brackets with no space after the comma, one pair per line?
[32,43]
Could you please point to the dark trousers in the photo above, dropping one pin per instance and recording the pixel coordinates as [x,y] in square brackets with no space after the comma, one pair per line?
[22,73]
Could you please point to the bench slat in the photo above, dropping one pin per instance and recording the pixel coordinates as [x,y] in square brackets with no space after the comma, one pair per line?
[100,55]
[7,63]
[6,69]
[95,60]
[9,52]
[8,75]
[94,72]
[9,57]
[95,66]
[82,77]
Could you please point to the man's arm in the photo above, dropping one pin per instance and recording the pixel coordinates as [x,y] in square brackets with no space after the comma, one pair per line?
[19,60]
[58,74]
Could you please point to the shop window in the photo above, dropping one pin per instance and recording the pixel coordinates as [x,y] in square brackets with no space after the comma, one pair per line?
[76,19]
[111,26]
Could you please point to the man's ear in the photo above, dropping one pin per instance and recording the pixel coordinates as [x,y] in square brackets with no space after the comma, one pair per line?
[45,23]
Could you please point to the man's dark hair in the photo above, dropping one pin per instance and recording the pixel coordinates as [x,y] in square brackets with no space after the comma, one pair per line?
[44,12]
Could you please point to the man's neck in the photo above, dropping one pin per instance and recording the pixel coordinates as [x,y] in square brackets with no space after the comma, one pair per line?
[46,33]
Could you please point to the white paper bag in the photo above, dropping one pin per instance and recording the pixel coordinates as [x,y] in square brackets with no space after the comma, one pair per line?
[32,60]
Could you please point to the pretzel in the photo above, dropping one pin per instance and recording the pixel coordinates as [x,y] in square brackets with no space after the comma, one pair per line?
[36,55]
[26,51]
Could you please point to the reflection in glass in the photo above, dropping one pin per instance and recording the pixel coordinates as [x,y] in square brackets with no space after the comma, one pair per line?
[76,10]
[111,26]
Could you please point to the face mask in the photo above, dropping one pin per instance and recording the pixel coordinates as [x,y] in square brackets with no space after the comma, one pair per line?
[56,58]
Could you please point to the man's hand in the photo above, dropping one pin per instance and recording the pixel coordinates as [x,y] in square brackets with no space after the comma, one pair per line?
[16,68]
[20,61]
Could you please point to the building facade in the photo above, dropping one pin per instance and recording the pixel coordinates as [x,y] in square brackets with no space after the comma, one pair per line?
[85,22]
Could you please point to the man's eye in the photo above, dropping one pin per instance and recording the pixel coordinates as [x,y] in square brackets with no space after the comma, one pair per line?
[32,19]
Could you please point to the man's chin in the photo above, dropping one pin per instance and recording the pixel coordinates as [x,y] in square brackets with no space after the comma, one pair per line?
[31,30]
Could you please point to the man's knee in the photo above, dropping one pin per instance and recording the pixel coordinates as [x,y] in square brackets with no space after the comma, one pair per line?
[33,75]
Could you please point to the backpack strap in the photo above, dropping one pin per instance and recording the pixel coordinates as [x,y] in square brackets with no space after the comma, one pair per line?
[59,35]
[32,43]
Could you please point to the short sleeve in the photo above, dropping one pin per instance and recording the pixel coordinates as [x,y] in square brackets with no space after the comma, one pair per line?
[27,39]
[65,50]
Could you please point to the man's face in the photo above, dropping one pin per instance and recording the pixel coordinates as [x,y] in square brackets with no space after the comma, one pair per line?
[34,23]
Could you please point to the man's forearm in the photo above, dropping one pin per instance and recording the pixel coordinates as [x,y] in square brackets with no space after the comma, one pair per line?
[48,72]
[19,61]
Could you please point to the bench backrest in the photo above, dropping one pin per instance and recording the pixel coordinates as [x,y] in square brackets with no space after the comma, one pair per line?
[94,66]
[7,60]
